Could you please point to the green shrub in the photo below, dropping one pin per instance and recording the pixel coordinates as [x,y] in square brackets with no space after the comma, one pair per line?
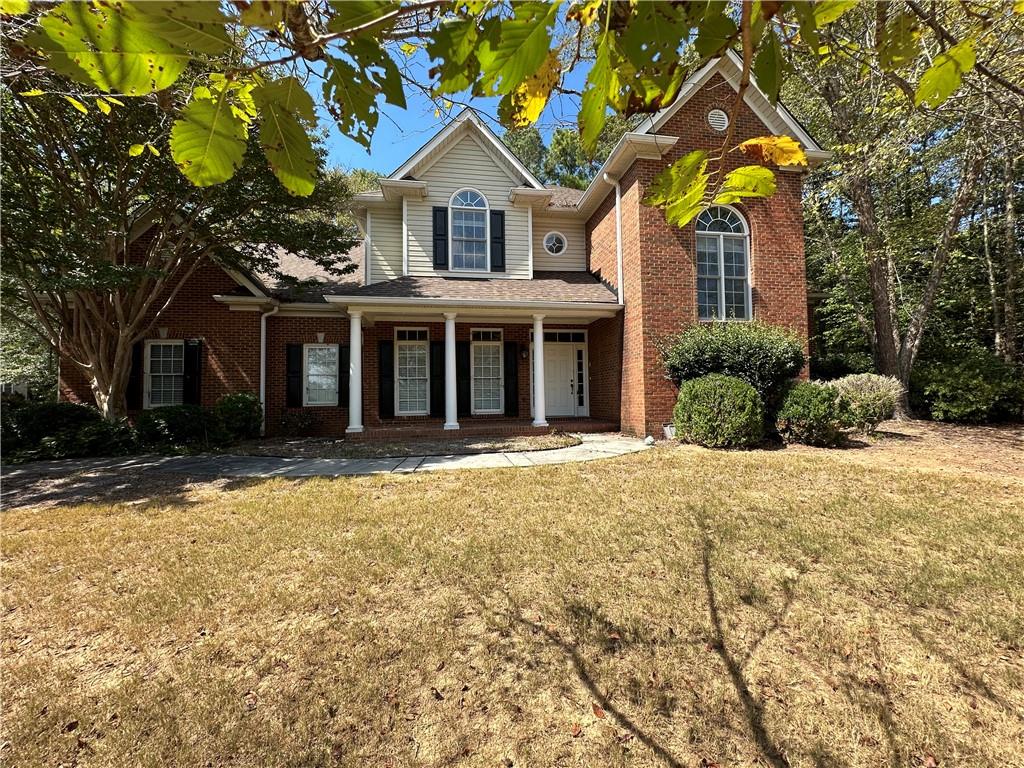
[103,438]
[867,399]
[764,356]
[810,413]
[719,411]
[977,388]
[241,414]
[182,427]
[25,426]
[296,423]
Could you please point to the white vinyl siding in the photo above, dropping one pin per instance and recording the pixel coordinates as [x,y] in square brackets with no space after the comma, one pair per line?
[573,258]
[386,244]
[467,164]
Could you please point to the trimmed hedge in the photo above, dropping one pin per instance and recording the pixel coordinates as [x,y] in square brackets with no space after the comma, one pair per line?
[719,411]
[976,389]
[764,356]
[241,414]
[867,399]
[182,427]
[812,414]
[36,431]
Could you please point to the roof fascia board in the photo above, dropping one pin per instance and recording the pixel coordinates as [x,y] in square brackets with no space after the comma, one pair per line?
[629,148]
[536,306]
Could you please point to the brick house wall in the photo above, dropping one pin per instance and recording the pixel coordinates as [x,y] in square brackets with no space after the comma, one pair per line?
[659,259]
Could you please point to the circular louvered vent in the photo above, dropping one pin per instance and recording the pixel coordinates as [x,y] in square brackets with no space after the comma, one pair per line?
[718,119]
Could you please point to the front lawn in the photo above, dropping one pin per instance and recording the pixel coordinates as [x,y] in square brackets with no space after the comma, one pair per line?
[789,607]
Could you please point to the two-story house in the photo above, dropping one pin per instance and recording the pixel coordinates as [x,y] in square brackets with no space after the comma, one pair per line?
[488,301]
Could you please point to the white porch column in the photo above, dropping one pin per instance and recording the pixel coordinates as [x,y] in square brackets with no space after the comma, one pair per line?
[539,417]
[355,372]
[451,406]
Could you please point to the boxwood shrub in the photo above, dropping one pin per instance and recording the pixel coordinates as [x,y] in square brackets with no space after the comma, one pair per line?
[182,428]
[764,356]
[810,413]
[241,414]
[719,411]
[867,399]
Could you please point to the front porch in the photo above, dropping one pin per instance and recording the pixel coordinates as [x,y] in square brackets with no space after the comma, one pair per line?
[491,427]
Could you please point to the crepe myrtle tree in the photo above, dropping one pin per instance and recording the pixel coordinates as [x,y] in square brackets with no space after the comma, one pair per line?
[353,54]
[101,230]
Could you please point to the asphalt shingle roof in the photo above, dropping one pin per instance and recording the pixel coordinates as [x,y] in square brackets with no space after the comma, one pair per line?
[544,287]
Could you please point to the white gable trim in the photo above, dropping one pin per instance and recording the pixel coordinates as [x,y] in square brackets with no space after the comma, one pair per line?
[469,119]
[777,118]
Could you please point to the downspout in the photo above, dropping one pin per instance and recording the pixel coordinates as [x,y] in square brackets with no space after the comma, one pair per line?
[618,234]
[263,367]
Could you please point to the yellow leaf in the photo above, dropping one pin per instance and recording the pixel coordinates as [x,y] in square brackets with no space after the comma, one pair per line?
[33,92]
[112,100]
[136,149]
[13,7]
[1018,6]
[152,150]
[103,106]
[585,12]
[77,105]
[777,150]
[530,96]
[408,48]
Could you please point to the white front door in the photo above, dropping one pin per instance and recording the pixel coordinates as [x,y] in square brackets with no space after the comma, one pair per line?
[559,380]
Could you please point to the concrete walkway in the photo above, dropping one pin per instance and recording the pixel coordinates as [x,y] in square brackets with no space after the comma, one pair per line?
[593,446]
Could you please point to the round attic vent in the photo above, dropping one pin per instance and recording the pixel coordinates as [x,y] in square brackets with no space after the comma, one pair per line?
[718,119]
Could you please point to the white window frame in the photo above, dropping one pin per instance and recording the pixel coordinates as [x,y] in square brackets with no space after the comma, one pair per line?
[720,236]
[473,345]
[147,376]
[305,374]
[544,243]
[425,343]
[451,230]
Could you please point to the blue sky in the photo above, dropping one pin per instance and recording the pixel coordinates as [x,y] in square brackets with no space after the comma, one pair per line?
[400,132]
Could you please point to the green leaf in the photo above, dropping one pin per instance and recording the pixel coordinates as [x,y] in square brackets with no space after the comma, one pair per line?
[593,108]
[135,150]
[77,105]
[351,101]
[195,25]
[100,46]
[808,24]
[827,11]
[374,61]
[288,149]
[103,106]
[747,181]
[152,150]
[945,74]
[768,67]
[208,141]
[515,48]
[288,94]
[680,188]
[898,45]
[350,14]
[268,14]
[714,33]
[453,42]
[14,7]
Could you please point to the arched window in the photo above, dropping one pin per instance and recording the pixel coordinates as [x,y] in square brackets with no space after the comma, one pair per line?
[469,230]
[723,265]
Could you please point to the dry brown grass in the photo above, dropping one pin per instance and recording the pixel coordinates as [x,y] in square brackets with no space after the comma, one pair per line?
[679,605]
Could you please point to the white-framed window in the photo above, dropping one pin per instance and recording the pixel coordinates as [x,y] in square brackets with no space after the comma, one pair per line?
[487,383]
[320,374]
[723,265]
[469,227]
[555,243]
[412,372]
[165,373]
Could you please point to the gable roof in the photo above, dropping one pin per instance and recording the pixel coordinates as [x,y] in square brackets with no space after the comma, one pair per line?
[776,117]
[467,122]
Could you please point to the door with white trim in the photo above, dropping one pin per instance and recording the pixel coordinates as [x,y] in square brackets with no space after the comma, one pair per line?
[565,378]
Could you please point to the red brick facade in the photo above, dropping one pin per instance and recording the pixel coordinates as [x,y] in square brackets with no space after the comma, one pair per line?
[659,259]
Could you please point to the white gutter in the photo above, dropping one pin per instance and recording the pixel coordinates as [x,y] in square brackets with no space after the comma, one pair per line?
[618,234]
[263,367]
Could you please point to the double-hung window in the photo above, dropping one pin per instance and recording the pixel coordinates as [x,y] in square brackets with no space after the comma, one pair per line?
[412,368]
[469,231]
[488,379]
[165,373]
[723,265]
[320,374]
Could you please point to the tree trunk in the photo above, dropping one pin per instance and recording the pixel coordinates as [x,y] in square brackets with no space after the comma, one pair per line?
[1012,258]
[993,280]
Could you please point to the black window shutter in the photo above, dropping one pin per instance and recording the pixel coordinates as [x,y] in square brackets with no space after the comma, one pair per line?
[386,378]
[497,241]
[343,364]
[293,359]
[192,378]
[462,378]
[437,379]
[133,395]
[511,378]
[440,237]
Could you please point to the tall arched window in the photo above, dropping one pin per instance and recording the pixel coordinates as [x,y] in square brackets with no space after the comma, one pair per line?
[469,230]
[723,265]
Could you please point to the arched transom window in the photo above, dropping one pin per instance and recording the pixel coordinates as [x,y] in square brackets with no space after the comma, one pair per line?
[723,265]
[469,230]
